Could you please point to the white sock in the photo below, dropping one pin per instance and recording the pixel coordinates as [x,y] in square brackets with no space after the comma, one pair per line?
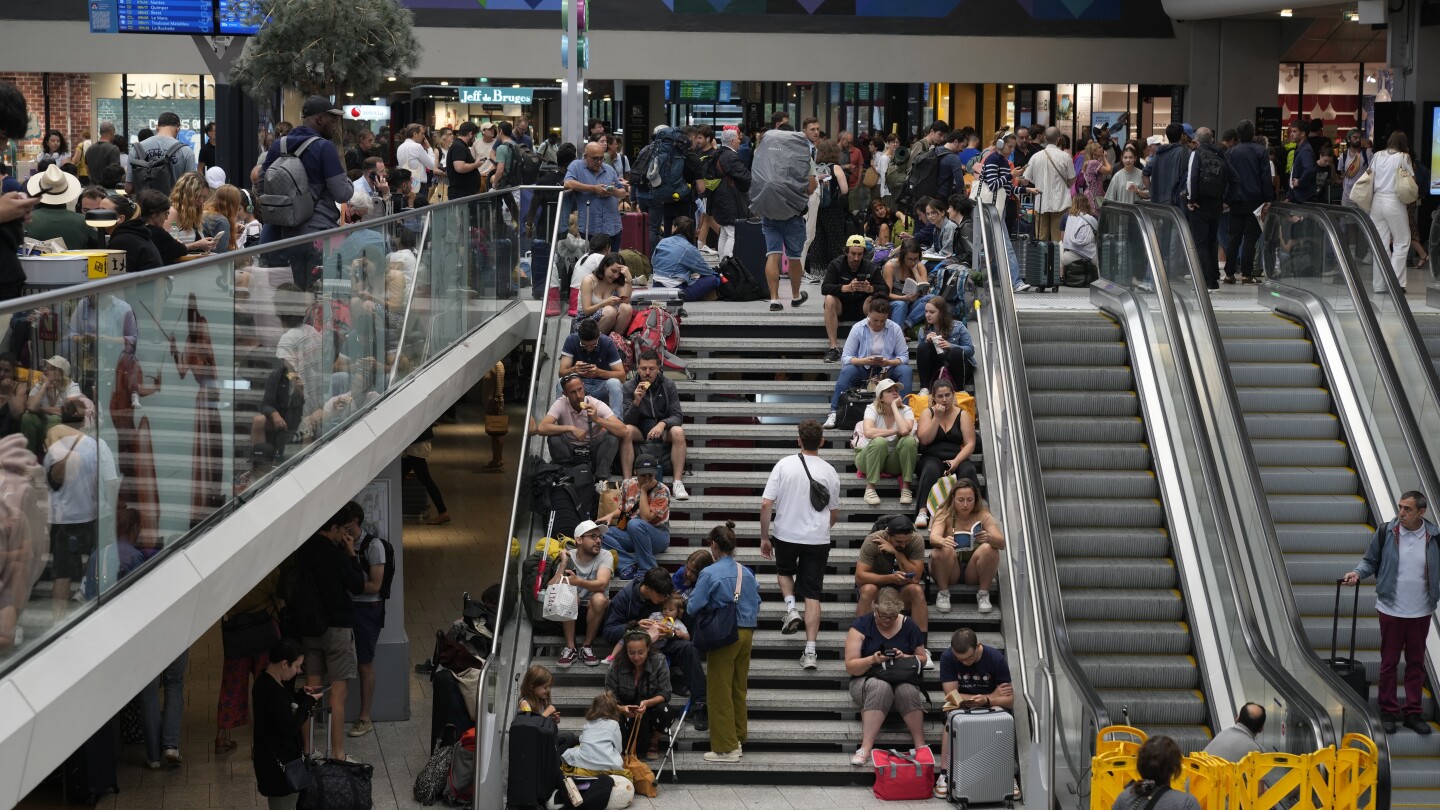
[809,646]
[789,603]
[774,300]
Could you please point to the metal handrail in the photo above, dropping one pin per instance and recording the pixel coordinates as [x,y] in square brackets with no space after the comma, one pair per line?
[1036,517]
[1187,371]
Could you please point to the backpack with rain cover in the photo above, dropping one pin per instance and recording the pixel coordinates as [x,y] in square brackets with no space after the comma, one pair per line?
[656,328]
[665,172]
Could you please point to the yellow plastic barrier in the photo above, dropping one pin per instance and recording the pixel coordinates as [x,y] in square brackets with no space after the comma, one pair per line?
[1328,779]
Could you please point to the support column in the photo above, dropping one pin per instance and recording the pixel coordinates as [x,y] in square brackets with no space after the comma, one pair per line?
[1233,65]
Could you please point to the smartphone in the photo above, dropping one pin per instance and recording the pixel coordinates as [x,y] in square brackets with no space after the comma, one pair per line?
[909,574]
[890,653]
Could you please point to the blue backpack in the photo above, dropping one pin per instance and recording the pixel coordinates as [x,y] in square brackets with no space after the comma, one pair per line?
[665,172]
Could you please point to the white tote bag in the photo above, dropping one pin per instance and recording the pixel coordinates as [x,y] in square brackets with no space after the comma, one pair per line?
[562,603]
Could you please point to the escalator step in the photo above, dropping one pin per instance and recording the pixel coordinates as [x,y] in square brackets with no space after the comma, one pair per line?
[1290,375]
[1129,638]
[1115,573]
[1284,400]
[1095,456]
[1158,671]
[1075,354]
[1318,452]
[1269,351]
[1146,706]
[1099,604]
[1094,403]
[1087,541]
[1120,429]
[1133,513]
[1349,540]
[1079,378]
[1062,483]
[1292,426]
[1318,509]
[1310,480]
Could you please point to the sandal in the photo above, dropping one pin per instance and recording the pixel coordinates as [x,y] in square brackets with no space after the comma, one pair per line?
[653,753]
[225,747]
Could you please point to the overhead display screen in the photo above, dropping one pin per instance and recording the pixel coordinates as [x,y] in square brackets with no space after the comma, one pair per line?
[236,17]
[166,16]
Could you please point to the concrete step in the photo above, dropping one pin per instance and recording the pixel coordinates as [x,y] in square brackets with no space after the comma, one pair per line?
[842,534]
[790,388]
[763,731]
[708,366]
[829,645]
[850,483]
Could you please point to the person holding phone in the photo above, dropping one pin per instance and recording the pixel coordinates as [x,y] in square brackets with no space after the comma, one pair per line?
[965,545]
[849,282]
[640,680]
[280,712]
[876,347]
[885,635]
[894,558]
[947,440]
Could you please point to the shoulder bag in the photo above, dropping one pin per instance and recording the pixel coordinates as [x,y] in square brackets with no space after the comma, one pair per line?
[819,493]
[1406,190]
[1363,192]
[719,627]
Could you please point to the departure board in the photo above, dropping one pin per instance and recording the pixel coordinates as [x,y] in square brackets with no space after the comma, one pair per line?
[239,17]
[166,16]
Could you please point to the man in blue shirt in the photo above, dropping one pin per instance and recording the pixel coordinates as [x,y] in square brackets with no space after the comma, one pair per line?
[594,357]
[600,190]
[952,168]
[981,676]
[329,186]
[876,347]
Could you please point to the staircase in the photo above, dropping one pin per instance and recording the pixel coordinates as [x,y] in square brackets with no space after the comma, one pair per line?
[1322,518]
[741,412]
[1124,611]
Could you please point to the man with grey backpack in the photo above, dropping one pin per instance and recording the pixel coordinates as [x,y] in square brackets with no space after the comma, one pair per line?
[303,182]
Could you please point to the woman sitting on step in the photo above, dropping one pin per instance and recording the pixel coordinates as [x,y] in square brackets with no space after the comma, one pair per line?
[947,440]
[640,680]
[885,442]
[965,545]
[884,656]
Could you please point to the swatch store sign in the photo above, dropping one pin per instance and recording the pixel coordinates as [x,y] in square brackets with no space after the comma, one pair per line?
[147,98]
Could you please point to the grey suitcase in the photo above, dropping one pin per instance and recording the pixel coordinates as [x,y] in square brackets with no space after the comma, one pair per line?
[982,756]
[1037,263]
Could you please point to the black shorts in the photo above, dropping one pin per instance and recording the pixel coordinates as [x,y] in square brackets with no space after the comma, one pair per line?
[806,563]
[369,619]
[852,306]
[70,544]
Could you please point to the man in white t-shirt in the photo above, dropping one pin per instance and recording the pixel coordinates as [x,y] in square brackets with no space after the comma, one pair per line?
[83,480]
[589,568]
[801,544]
[414,154]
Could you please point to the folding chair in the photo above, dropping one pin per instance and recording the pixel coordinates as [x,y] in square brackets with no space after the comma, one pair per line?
[673,732]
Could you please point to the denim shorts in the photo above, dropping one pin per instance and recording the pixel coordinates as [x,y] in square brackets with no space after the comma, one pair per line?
[784,236]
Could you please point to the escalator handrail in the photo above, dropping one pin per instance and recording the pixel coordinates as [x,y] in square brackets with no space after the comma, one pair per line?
[1187,370]
[1041,553]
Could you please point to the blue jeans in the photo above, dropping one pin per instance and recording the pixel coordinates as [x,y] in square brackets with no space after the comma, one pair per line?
[851,376]
[1010,250]
[700,287]
[909,313]
[636,544]
[163,731]
[609,390]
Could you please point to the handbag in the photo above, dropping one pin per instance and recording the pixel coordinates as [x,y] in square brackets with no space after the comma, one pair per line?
[562,603]
[1363,192]
[1406,189]
[244,635]
[497,421]
[640,773]
[872,177]
[819,493]
[897,670]
[297,775]
[903,777]
[719,627]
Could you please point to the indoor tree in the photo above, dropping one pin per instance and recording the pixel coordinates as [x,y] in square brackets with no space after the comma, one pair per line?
[327,48]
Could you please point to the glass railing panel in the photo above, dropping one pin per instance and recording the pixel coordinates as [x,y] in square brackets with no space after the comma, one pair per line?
[196,385]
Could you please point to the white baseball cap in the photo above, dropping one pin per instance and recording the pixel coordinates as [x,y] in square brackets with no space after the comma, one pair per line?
[587,526]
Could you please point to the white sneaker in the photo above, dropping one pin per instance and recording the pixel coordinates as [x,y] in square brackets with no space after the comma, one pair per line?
[922,519]
[942,600]
[1023,287]
[983,599]
[792,624]
[872,497]
[723,756]
[829,421]
[808,660]
[134,401]
[678,490]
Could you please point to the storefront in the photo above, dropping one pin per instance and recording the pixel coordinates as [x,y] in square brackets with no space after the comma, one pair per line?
[1342,95]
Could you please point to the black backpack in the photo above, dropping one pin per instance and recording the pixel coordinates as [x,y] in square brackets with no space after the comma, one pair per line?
[158,174]
[736,282]
[389,576]
[924,179]
[1212,175]
[524,166]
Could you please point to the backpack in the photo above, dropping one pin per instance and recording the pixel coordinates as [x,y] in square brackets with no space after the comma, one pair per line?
[923,181]
[460,786]
[158,174]
[389,576]
[830,196]
[656,328]
[524,165]
[898,171]
[304,613]
[627,352]
[665,171]
[1212,175]
[431,781]
[285,196]
[736,282]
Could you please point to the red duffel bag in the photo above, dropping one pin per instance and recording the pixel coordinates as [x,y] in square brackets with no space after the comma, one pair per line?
[903,777]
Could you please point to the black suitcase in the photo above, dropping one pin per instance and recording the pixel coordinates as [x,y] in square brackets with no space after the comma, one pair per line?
[89,773]
[540,270]
[1351,671]
[339,785]
[534,773]
[447,705]
[750,250]
[1037,263]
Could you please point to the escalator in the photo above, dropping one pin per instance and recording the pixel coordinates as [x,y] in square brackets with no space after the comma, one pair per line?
[1125,614]
[1428,323]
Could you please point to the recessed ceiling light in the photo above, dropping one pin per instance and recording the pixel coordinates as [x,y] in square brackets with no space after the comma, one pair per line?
[1287,12]
[389,78]
[350,95]
[1010,86]
[517,84]
[444,84]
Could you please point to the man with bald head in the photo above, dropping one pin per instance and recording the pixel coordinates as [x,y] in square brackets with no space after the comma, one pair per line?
[599,190]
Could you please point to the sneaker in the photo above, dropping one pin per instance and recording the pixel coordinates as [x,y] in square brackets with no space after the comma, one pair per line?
[776,306]
[153,764]
[1228,280]
[1387,722]
[942,785]
[871,496]
[860,758]
[630,571]
[829,421]
[587,655]
[172,755]
[360,728]
[723,756]
[906,497]
[832,355]
[1023,287]
[700,717]
[982,598]
[809,660]
[793,622]
[567,657]
[804,296]
[678,490]
[942,600]
[922,520]
[135,401]
[609,659]
[1417,724]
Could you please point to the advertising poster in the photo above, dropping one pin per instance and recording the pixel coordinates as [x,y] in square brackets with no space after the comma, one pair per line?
[1117,121]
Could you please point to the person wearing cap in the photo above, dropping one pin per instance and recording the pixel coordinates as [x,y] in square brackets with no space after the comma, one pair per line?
[850,281]
[83,479]
[462,162]
[158,145]
[640,523]
[653,415]
[893,557]
[49,393]
[876,347]
[329,185]
[589,568]
[886,443]
[55,217]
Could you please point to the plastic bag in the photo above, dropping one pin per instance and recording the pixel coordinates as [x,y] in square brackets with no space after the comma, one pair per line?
[562,603]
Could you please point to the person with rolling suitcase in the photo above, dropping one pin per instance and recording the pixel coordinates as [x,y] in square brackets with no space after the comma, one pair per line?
[1404,557]
[281,770]
[979,729]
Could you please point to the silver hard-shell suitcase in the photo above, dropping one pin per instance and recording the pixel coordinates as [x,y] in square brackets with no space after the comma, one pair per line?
[982,756]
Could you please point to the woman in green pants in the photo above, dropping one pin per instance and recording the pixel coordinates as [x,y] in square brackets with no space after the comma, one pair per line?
[885,442]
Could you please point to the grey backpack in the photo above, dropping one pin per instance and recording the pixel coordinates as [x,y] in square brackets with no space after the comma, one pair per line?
[285,196]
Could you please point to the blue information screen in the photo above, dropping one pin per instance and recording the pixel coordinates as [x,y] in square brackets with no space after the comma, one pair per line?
[239,17]
[166,17]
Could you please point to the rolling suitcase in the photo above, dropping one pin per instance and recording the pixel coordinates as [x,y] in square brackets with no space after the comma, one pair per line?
[447,706]
[750,250]
[1037,263]
[89,773]
[1349,670]
[534,762]
[982,755]
[634,232]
